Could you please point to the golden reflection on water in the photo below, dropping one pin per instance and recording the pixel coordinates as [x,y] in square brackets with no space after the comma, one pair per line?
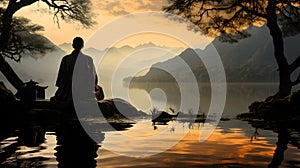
[45,150]
[230,145]
[221,148]
[229,148]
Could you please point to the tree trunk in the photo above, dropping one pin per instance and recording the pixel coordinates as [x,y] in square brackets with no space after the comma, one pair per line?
[5,35]
[6,29]
[10,74]
[285,83]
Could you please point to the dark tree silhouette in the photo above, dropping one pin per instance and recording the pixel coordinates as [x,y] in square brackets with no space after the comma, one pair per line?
[228,20]
[17,33]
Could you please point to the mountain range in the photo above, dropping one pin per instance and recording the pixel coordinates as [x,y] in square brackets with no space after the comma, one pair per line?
[250,60]
[44,68]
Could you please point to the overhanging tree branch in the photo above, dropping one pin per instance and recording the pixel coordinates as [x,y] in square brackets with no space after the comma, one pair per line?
[297,81]
[76,10]
[295,64]
[7,18]
[251,11]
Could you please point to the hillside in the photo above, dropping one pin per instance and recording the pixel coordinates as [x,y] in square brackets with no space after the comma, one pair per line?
[249,60]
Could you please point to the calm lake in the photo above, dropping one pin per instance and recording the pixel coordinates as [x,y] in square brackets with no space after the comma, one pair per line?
[233,143]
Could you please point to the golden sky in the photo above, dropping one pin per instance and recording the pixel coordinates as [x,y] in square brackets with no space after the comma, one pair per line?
[107,11]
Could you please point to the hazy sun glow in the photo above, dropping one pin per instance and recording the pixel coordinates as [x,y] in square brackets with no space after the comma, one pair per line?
[159,39]
[106,11]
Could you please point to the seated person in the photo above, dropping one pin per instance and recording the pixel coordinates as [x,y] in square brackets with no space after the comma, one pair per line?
[77,73]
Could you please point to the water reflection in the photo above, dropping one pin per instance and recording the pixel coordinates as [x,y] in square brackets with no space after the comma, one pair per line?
[75,148]
[31,137]
[229,146]
[281,146]
[288,137]
[64,144]
[20,149]
[233,144]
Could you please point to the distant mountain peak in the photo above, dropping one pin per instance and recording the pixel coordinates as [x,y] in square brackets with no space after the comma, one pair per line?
[126,47]
[149,44]
[67,47]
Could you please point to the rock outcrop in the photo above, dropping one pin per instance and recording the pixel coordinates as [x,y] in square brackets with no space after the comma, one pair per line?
[275,109]
[118,108]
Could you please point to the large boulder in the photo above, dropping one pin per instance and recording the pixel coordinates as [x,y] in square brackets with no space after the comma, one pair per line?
[118,108]
[45,112]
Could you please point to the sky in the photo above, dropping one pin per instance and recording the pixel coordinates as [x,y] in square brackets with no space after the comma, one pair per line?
[111,14]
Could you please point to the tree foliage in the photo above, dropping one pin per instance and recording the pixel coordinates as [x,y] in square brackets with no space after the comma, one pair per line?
[22,39]
[228,19]
[18,35]
[72,11]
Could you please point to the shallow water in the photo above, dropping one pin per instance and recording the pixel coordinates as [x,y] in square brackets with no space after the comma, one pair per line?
[233,143]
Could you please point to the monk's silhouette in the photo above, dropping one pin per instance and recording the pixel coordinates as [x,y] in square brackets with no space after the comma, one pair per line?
[76,72]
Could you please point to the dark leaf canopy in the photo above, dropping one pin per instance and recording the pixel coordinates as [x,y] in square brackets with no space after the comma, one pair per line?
[23,39]
[229,18]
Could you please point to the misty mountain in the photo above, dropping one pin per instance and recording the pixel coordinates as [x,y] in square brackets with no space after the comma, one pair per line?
[44,68]
[67,47]
[36,65]
[249,60]
[120,62]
